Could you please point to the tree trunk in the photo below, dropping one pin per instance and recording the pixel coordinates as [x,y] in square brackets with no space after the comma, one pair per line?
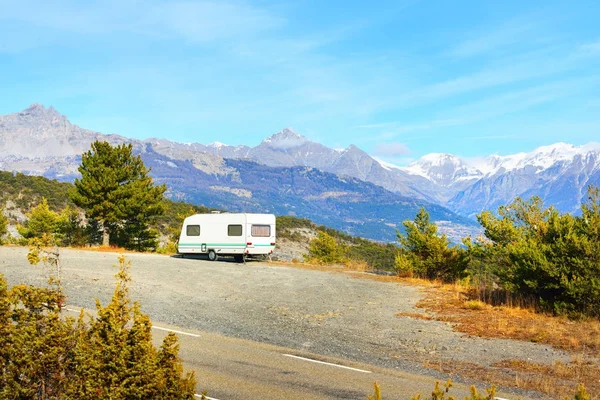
[105,237]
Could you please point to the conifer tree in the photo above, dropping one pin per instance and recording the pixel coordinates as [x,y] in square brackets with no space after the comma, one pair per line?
[3,224]
[70,227]
[45,355]
[116,191]
[41,222]
[427,254]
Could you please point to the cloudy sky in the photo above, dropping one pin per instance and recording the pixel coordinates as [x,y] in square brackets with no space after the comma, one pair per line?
[398,79]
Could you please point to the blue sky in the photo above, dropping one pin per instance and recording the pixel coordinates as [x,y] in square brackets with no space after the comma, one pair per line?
[399,79]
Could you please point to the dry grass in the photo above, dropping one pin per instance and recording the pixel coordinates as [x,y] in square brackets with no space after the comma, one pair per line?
[454,303]
[558,381]
[354,265]
[475,305]
[424,317]
[451,303]
[104,249]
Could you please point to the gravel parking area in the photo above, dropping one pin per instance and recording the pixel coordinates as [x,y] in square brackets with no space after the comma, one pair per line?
[326,313]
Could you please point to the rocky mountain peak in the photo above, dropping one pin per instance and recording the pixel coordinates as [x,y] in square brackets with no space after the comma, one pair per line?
[285,139]
[37,110]
[443,169]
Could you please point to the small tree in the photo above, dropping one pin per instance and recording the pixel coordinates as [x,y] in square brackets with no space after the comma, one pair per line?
[45,355]
[428,253]
[70,228]
[538,252]
[115,190]
[3,224]
[325,249]
[41,222]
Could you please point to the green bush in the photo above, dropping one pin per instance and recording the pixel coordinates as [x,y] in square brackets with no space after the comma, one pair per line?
[3,225]
[427,254]
[325,249]
[538,252]
[40,221]
[45,355]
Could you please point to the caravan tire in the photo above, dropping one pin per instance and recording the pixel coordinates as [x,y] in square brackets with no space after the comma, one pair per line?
[238,258]
[212,255]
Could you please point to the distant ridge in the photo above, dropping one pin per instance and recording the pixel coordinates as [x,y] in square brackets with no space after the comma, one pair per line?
[42,141]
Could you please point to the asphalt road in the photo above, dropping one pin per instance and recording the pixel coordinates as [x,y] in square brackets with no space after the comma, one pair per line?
[242,324]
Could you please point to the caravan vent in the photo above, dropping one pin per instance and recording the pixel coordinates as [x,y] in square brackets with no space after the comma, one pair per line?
[215,212]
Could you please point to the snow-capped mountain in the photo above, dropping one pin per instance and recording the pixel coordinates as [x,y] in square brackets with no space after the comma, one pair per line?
[42,141]
[558,173]
[443,169]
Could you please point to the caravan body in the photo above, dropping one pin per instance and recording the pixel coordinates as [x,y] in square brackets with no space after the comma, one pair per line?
[231,234]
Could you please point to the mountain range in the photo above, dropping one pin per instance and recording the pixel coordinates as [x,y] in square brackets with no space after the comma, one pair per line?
[288,174]
[558,173]
[41,141]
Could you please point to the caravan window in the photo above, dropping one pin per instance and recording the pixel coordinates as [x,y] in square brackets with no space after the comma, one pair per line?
[192,230]
[261,230]
[234,230]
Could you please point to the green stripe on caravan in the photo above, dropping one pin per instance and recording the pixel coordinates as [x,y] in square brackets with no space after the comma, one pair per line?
[213,244]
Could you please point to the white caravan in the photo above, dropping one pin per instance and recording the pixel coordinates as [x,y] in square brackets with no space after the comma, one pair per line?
[228,234]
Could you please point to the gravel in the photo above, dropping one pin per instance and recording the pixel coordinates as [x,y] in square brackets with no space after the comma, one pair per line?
[328,313]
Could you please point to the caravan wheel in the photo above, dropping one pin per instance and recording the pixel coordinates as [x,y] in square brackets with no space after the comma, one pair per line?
[212,256]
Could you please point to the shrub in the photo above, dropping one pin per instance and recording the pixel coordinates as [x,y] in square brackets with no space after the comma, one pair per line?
[41,221]
[536,251]
[427,254]
[45,355]
[441,393]
[403,265]
[325,249]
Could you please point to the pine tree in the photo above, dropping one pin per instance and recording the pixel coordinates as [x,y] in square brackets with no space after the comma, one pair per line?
[45,355]
[41,221]
[325,249]
[70,228]
[3,224]
[427,254]
[116,191]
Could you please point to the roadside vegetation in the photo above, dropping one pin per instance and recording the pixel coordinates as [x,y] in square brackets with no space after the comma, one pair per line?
[335,247]
[47,355]
[442,392]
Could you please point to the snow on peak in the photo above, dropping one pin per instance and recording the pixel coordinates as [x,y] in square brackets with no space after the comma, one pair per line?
[541,158]
[217,145]
[442,168]
[386,165]
[285,139]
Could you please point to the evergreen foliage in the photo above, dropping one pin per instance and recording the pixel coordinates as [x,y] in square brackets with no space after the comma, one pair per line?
[426,254]
[48,356]
[3,224]
[325,249]
[27,191]
[536,251]
[116,191]
[376,255]
[40,221]
[70,229]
